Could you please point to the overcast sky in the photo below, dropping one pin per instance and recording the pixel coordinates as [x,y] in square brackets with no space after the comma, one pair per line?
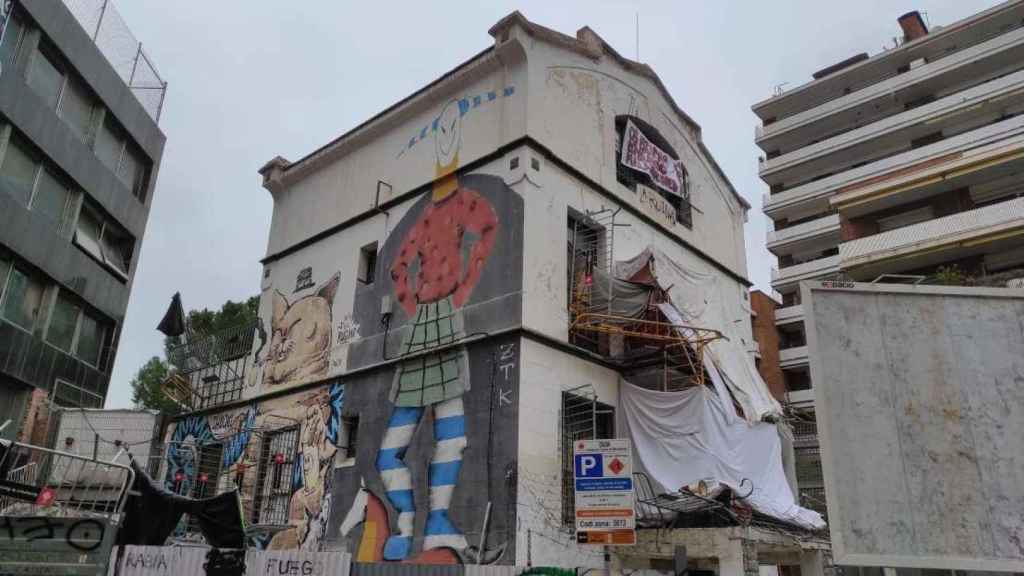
[251,79]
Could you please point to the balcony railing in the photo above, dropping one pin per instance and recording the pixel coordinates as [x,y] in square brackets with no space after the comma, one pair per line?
[804,231]
[789,314]
[211,368]
[806,271]
[800,398]
[956,228]
[938,73]
[31,360]
[793,357]
[862,142]
[199,352]
[818,192]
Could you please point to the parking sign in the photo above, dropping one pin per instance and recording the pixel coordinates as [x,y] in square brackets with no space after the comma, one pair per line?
[603,481]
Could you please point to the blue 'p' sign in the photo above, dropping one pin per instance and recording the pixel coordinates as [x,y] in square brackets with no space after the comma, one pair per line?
[589,466]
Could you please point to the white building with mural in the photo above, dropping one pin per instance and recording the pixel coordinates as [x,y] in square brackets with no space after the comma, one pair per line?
[456,290]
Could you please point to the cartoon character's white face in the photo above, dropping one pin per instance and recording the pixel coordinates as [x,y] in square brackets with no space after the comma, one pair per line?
[448,135]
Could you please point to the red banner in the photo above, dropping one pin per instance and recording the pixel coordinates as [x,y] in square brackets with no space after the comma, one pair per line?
[642,155]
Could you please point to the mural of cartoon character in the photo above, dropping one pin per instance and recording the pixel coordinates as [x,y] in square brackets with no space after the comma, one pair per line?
[300,340]
[319,413]
[433,374]
[309,507]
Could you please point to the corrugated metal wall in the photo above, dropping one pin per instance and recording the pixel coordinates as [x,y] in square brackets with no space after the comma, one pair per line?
[396,569]
[276,563]
[157,560]
[181,560]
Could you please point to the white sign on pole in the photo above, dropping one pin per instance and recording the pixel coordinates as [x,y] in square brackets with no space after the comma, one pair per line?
[603,477]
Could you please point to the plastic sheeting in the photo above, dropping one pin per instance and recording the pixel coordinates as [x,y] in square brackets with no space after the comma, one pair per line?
[627,298]
[682,437]
[698,298]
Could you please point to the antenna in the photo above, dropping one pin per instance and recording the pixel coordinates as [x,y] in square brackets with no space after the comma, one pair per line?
[638,36]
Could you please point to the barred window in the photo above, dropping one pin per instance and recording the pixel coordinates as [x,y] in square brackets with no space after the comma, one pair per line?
[277,465]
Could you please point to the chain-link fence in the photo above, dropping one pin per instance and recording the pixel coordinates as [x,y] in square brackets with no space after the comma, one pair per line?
[115,40]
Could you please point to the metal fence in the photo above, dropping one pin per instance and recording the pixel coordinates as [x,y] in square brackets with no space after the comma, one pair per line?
[115,40]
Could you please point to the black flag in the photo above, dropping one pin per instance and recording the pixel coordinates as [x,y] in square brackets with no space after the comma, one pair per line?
[173,324]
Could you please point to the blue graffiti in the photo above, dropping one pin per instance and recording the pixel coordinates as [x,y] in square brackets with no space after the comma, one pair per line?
[181,463]
[337,395]
[465,105]
[235,445]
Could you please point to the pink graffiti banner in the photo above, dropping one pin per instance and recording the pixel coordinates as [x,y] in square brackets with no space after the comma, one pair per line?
[642,155]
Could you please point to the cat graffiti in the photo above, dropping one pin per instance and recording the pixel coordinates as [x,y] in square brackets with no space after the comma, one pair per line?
[300,340]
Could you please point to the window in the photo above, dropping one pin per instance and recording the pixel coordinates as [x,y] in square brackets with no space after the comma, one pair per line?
[117,248]
[133,171]
[22,298]
[367,263]
[52,197]
[90,340]
[349,435]
[11,41]
[113,147]
[45,77]
[67,395]
[583,418]
[38,187]
[5,269]
[88,231]
[63,324]
[18,171]
[277,468]
[109,144]
[76,108]
[105,241]
[76,331]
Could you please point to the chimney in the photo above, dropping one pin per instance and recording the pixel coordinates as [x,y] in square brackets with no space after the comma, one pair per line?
[913,26]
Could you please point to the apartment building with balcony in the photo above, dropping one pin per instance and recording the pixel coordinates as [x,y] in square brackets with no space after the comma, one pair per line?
[79,153]
[907,162]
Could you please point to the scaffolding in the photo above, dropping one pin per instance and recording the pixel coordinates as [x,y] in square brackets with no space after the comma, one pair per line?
[642,339]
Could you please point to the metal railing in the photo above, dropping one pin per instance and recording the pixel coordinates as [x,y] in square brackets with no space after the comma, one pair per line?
[203,351]
[32,360]
[102,22]
[42,482]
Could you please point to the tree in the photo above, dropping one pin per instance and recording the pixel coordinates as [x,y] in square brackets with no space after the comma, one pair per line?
[231,314]
[147,387]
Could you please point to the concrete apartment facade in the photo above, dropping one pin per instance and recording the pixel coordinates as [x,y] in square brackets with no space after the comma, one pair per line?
[907,162]
[79,156]
[485,168]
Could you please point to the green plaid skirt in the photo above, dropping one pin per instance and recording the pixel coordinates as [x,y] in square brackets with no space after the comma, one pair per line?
[434,376]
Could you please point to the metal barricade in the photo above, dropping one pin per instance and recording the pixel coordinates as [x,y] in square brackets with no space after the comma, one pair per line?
[59,512]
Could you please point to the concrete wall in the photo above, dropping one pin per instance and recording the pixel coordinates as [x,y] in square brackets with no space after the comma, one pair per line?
[350,335]
[920,416]
[573,102]
[542,539]
[402,151]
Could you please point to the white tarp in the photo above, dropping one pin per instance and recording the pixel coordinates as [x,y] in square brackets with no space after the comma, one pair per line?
[683,437]
[698,298]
